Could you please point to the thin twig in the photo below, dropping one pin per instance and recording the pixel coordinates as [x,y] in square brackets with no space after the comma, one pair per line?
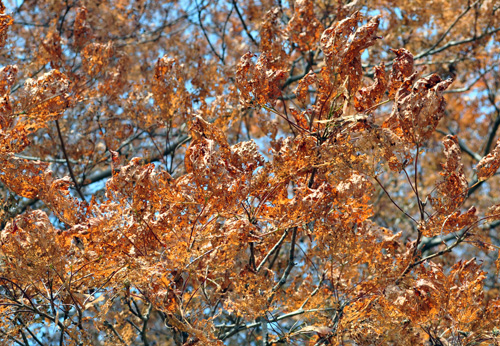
[244,24]
[77,187]
[421,55]
[289,267]
[238,328]
[275,247]
[212,48]
[397,206]
[112,328]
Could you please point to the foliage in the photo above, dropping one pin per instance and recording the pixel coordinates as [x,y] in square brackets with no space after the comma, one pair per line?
[249,173]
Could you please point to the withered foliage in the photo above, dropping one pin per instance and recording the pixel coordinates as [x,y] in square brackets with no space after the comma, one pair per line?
[249,173]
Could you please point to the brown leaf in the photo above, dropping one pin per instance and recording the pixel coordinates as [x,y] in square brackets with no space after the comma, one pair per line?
[5,22]
[402,68]
[417,110]
[82,30]
[342,45]
[452,189]
[304,28]
[371,95]
[489,164]
[259,83]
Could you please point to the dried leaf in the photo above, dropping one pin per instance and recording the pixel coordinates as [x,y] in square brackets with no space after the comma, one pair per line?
[402,68]
[452,189]
[304,28]
[342,45]
[5,22]
[372,95]
[82,30]
[489,164]
[259,83]
[417,110]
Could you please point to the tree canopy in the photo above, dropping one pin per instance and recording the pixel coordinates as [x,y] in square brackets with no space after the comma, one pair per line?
[249,173]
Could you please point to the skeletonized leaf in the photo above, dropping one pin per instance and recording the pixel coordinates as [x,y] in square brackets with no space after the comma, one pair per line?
[45,98]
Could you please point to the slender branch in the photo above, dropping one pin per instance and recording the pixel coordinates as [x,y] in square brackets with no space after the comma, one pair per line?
[212,48]
[224,45]
[285,118]
[77,187]
[459,239]
[244,24]
[288,269]
[428,243]
[32,158]
[238,328]
[393,202]
[439,253]
[133,325]
[30,332]
[25,339]
[496,123]
[421,55]
[438,50]
[274,248]
[419,201]
[12,338]
[313,293]
[471,84]
[114,331]
[457,43]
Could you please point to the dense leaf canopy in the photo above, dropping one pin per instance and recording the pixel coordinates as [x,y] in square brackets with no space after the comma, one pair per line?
[249,173]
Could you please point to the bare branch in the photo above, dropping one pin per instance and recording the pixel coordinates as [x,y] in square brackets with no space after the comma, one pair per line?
[75,182]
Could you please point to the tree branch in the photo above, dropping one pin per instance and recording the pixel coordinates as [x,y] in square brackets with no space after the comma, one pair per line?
[77,187]
[114,331]
[244,24]
[446,32]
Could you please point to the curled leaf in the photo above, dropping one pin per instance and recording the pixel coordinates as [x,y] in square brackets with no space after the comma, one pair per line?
[402,68]
[5,22]
[260,82]
[342,45]
[417,110]
[304,28]
[371,95]
[452,189]
[489,164]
